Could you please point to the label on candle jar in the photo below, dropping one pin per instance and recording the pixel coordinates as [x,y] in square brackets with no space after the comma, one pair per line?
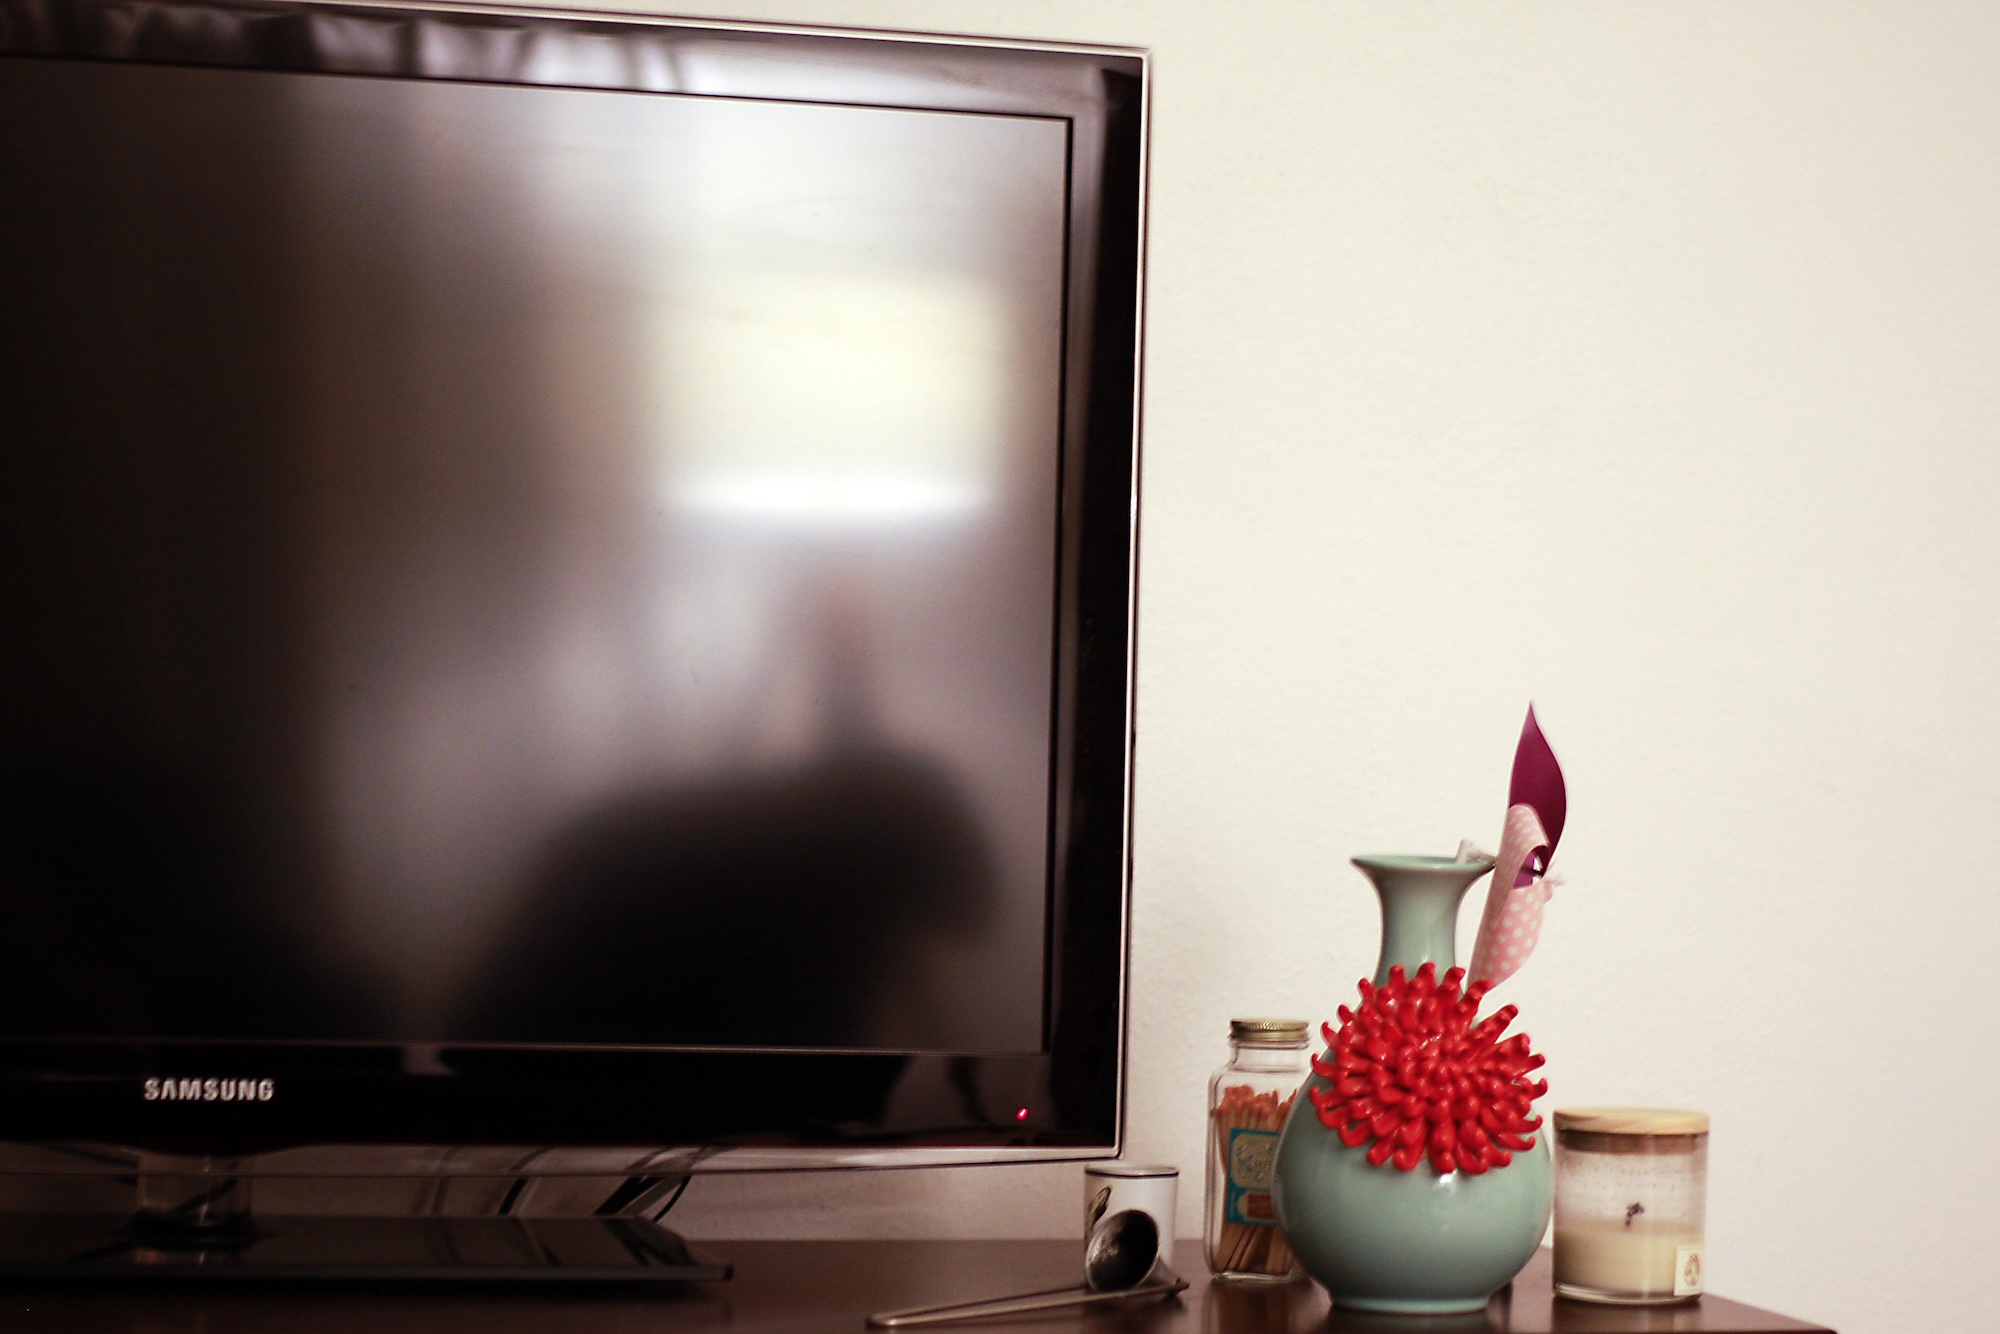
[1687,1271]
[1252,1154]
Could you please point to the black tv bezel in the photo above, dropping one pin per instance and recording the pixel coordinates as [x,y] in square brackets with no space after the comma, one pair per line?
[772,1107]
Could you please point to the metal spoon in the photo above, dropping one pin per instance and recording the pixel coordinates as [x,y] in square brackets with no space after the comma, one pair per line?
[1121,1262]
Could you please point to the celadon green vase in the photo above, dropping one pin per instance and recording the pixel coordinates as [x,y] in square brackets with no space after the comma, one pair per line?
[1381,1239]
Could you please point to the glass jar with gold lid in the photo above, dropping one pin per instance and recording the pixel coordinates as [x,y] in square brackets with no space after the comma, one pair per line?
[1631,1195]
[1247,1102]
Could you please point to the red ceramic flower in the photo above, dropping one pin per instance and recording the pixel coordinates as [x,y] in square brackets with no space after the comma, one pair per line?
[1413,1072]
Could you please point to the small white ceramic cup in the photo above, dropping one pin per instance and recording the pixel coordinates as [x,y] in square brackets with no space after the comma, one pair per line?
[1112,1188]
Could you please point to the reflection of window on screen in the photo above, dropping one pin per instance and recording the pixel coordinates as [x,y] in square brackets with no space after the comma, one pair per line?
[835,400]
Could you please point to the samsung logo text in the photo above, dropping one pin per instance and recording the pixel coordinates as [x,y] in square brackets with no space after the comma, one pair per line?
[210,1090]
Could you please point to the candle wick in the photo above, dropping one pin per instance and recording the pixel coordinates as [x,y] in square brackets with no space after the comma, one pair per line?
[1632,1211]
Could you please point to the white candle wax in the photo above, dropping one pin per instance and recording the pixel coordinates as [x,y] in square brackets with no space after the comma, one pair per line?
[1638,1257]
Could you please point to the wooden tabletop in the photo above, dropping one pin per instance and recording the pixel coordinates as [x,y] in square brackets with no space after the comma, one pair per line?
[830,1287]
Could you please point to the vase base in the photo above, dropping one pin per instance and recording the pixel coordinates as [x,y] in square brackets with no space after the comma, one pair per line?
[1412,1305]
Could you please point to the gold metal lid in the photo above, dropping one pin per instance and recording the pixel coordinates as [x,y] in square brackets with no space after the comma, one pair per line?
[1631,1121]
[1268,1030]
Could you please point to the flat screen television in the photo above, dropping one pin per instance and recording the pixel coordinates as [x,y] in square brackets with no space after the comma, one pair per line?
[566,590]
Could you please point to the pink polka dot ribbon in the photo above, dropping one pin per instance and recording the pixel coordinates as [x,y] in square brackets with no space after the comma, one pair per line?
[1513,919]
[1537,803]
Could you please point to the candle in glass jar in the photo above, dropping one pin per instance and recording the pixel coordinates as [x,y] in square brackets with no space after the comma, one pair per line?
[1631,1188]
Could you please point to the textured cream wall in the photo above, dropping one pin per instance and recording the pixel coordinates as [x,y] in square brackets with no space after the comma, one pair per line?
[1643,359]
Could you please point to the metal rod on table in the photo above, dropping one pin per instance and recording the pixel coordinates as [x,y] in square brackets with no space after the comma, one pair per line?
[1164,1284]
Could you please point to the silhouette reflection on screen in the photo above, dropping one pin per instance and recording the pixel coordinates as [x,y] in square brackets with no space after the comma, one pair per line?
[776,907]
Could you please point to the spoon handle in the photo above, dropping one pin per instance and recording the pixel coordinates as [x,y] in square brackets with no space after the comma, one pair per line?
[1164,1284]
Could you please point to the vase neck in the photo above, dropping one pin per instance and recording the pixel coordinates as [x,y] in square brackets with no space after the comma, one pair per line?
[1420,898]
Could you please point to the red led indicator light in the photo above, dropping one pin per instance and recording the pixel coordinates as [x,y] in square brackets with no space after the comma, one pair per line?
[1021,1115]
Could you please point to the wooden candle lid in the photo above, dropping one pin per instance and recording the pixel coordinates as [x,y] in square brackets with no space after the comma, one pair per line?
[1631,1121]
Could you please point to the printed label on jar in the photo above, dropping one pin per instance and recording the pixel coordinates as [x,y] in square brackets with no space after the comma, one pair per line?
[1252,1154]
[1687,1271]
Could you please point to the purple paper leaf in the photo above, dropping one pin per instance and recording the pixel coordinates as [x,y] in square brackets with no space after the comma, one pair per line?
[1538,782]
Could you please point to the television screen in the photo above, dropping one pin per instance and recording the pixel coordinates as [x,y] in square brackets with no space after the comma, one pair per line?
[544,565]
